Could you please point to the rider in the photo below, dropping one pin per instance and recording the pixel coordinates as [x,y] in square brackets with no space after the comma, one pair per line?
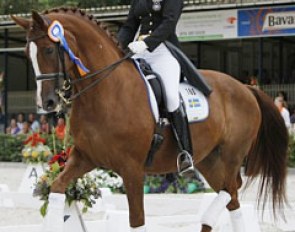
[149,24]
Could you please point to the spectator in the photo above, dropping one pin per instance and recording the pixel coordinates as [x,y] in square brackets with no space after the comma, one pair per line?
[253,81]
[26,128]
[283,95]
[60,129]
[35,125]
[279,102]
[44,127]
[13,129]
[20,120]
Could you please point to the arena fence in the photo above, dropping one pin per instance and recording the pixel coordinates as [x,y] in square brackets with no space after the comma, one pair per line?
[24,101]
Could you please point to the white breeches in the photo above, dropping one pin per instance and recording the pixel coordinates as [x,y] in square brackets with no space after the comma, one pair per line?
[163,62]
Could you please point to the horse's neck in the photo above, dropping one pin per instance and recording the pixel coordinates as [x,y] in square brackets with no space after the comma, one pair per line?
[119,87]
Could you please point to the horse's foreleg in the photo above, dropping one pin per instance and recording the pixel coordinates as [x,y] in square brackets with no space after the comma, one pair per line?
[210,217]
[133,178]
[76,166]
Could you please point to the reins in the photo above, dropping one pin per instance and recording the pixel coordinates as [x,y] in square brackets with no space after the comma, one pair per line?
[108,68]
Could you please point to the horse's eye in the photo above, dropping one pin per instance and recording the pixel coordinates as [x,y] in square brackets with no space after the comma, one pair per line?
[49,50]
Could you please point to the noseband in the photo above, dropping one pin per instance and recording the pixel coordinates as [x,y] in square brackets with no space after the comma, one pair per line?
[65,91]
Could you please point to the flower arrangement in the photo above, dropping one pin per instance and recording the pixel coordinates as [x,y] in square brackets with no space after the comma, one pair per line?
[84,190]
[108,179]
[34,150]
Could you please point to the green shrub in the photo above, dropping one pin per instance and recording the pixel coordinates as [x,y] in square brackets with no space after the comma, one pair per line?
[10,147]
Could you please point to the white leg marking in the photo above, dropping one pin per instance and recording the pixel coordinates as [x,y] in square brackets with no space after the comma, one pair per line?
[210,217]
[33,56]
[138,229]
[54,219]
[236,217]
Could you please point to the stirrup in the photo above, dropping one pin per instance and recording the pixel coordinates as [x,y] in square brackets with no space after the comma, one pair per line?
[189,168]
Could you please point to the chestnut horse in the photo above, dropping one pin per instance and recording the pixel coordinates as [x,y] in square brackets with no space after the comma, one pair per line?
[113,126]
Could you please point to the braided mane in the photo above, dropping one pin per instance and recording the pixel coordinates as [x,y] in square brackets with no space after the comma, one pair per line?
[90,18]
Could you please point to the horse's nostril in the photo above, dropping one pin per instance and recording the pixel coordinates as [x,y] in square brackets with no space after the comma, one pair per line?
[50,105]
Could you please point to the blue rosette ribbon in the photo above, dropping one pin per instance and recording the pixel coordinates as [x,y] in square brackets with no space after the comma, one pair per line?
[56,34]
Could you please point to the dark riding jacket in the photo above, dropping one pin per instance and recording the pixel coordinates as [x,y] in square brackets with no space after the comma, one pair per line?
[158,25]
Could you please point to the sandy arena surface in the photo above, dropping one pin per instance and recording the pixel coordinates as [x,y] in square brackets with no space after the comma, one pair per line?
[11,174]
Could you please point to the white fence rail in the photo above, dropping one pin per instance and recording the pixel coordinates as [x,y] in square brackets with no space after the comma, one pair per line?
[24,101]
[21,101]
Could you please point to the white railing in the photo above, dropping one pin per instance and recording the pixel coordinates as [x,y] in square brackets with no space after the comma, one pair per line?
[24,101]
[21,101]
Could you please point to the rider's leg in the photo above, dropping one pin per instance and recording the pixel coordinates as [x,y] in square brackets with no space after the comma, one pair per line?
[180,128]
[163,63]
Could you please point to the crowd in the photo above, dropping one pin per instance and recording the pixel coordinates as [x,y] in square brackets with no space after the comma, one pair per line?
[20,124]
[281,102]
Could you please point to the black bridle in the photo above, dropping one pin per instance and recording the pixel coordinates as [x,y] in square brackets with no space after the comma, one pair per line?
[63,92]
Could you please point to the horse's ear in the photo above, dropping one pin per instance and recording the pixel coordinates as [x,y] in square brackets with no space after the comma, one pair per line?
[38,21]
[24,23]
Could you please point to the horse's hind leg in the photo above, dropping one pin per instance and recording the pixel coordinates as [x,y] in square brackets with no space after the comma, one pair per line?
[76,166]
[227,198]
[223,175]
[234,208]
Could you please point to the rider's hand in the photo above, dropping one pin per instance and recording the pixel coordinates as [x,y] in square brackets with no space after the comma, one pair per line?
[137,47]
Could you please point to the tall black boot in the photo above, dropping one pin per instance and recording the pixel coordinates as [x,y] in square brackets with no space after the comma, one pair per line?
[179,122]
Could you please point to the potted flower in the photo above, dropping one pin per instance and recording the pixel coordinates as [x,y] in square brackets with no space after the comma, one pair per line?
[35,151]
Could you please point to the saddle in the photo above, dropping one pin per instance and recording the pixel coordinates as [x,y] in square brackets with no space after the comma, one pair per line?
[190,98]
[189,75]
[157,86]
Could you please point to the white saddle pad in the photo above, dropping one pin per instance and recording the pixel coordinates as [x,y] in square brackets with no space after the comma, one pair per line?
[196,104]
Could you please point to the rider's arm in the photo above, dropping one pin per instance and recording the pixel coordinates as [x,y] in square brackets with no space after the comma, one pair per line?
[129,29]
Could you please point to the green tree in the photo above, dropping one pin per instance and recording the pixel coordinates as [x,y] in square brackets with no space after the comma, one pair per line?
[25,6]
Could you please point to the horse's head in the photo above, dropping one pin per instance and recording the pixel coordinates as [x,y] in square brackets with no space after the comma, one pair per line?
[48,60]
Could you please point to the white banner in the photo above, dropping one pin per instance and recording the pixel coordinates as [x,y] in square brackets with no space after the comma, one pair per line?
[279,21]
[209,25]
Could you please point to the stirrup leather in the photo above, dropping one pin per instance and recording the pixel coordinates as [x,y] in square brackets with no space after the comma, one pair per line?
[184,153]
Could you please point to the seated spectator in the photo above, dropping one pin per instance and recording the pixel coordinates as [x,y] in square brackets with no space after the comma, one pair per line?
[283,95]
[60,129]
[44,127]
[279,102]
[26,128]
[35,125]
[20,120]
[13,129]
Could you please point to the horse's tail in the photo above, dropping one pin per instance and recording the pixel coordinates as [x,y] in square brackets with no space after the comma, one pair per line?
[268,156]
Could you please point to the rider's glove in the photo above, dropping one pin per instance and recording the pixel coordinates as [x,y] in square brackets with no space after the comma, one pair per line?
[137,47]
